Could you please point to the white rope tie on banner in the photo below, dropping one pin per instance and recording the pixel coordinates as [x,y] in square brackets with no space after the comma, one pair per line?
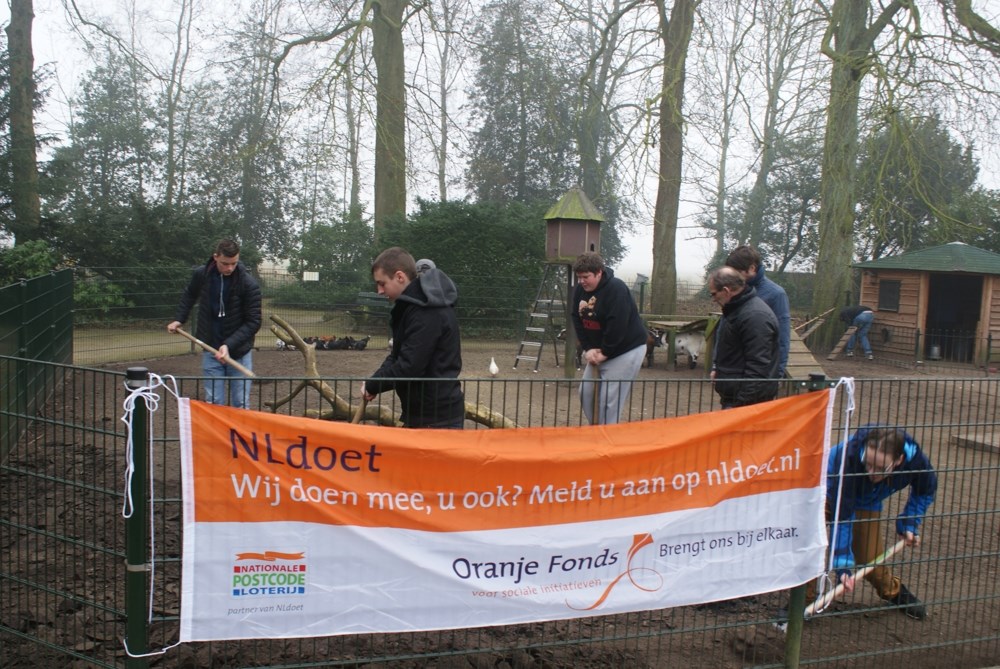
[148,394]
[162,651]
[825,582]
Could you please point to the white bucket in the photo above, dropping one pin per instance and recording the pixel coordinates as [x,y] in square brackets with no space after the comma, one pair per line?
[935,353]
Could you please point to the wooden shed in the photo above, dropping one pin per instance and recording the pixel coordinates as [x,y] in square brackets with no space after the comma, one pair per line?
[936,303]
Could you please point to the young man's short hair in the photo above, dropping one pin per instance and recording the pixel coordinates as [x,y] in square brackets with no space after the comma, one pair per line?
[886,440]
[227,248]
[744,257]
[396,259]
[588,262]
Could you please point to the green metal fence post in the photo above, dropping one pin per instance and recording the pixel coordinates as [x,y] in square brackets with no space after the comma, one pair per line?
[136,527]
[797,595]
[793,635]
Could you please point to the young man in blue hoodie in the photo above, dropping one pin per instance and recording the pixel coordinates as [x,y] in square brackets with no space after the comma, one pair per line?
[425,343]
[875,463]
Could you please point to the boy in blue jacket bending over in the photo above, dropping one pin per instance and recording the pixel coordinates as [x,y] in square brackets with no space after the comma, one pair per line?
[880,461]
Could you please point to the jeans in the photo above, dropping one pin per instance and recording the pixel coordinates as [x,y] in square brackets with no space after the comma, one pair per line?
[615,384]
[863,323]
[215,387]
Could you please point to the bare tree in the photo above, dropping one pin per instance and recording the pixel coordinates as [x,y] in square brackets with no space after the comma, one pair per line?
[436,78]
[386,19]
[24,159]
[789,76]
[616,47]
[390,113]
[675,32]
[173,94]
[718,88]
[175,109]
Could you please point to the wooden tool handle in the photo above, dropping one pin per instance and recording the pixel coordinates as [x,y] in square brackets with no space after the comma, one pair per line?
[360,411]
[213,351]
[595,416]
[825,600]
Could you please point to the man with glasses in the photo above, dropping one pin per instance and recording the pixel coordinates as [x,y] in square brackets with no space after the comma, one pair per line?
[875,463]
[746,360]
[747,261]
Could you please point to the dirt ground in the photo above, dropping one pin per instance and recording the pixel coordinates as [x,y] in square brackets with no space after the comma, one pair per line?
[718,637]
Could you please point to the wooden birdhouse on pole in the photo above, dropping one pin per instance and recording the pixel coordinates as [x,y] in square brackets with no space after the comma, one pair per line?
[573,226]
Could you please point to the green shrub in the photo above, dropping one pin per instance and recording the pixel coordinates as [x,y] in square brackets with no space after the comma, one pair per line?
[98,300]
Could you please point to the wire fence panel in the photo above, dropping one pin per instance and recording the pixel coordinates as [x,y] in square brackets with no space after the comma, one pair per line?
[62,533]
[121,313]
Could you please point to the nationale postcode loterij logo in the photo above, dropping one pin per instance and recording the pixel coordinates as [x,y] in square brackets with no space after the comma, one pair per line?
[269,574]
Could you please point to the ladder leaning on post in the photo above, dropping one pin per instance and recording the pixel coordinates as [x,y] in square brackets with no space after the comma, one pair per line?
[545,318]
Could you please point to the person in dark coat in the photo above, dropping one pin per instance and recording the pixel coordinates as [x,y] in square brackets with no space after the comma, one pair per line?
[611,334]
[425,343]
[861,317]
[747,261]
[745,368]
[229,316]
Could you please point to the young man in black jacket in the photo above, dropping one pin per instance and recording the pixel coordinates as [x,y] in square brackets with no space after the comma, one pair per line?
[229,316]
[425,343]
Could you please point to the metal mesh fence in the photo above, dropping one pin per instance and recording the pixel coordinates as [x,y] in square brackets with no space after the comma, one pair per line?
[62,564]
[124,318]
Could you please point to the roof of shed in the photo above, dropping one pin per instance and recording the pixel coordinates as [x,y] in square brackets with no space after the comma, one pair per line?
[953,257]
[574,205]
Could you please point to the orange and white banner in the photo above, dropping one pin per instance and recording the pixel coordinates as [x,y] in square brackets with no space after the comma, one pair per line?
[295,527]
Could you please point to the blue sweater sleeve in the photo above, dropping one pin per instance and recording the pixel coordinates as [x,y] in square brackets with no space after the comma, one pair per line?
[784,317]
[841,534]
[923,487]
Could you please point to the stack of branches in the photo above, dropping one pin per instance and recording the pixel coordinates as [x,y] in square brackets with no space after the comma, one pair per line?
[341,408]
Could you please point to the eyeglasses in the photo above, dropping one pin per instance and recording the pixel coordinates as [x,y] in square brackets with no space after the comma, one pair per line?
[875,471]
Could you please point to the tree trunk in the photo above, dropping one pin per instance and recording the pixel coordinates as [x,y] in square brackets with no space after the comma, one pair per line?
[390,120]
[596,88]
[676,35]
[354,207]
[172,100]
[852,39]
[24,159]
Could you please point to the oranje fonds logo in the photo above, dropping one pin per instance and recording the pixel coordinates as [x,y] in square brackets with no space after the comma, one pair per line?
[645,579]
[269,574]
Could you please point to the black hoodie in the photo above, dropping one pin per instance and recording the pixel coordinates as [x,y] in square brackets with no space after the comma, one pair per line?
[610,321]
[425,345]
